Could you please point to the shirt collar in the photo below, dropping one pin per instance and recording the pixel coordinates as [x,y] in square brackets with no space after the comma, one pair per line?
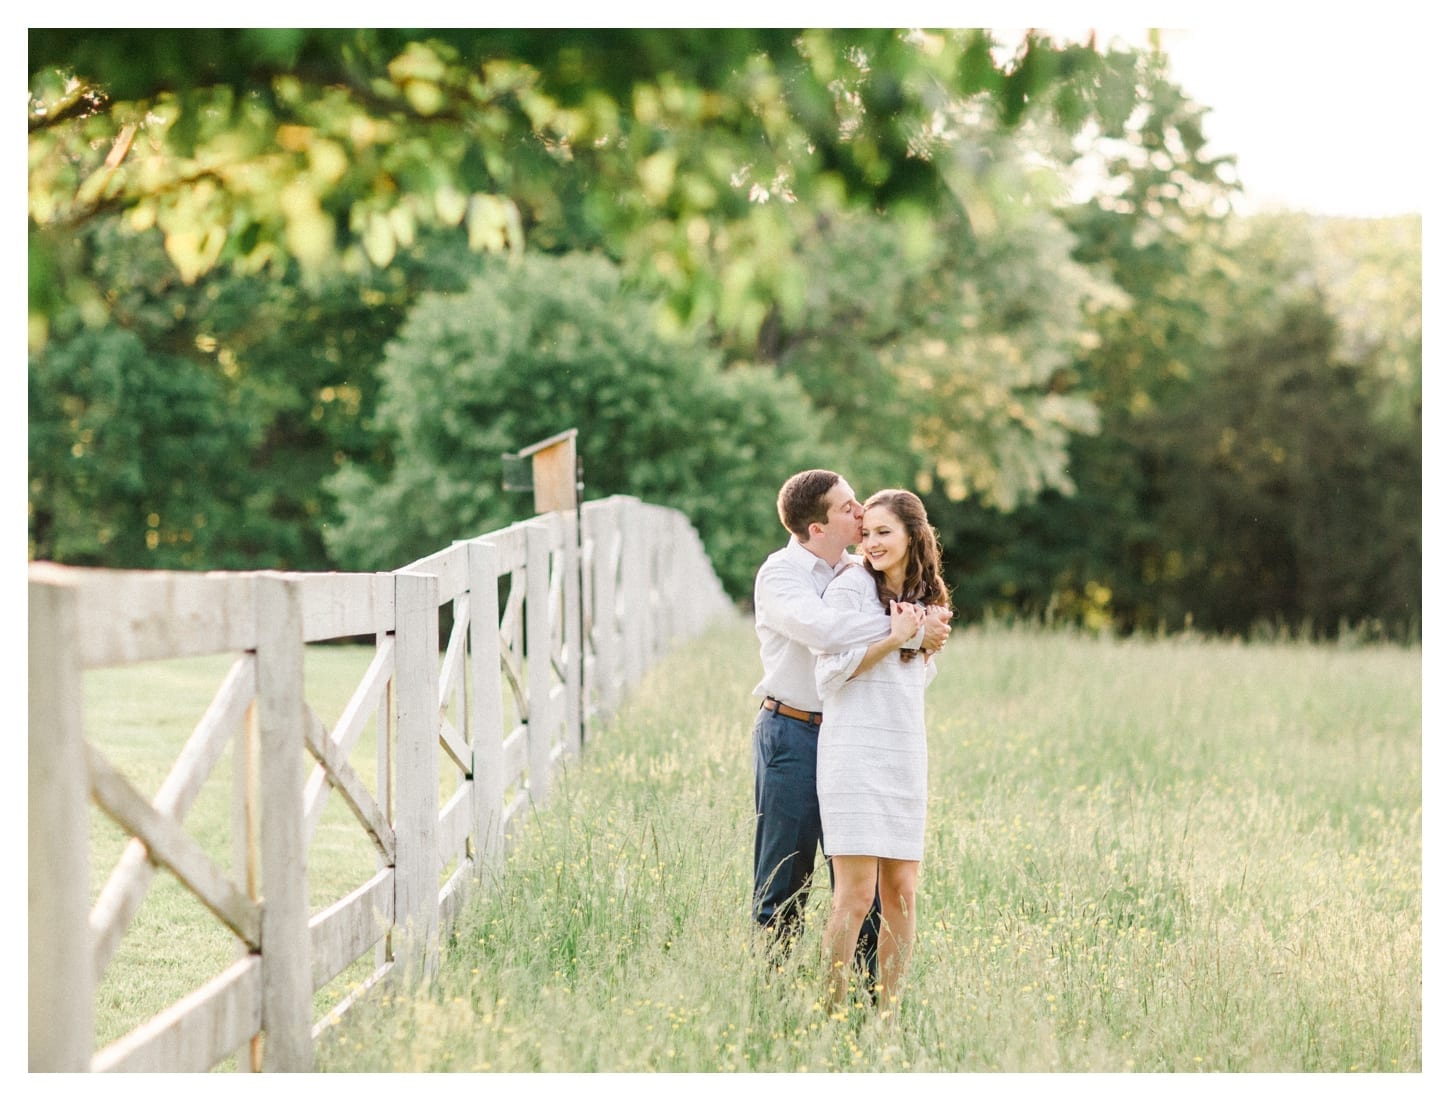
[812,563]
[805,557]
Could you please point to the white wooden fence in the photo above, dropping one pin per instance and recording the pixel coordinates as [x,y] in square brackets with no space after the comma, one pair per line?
[549,623]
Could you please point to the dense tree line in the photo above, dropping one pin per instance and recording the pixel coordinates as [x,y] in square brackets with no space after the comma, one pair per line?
[723,262]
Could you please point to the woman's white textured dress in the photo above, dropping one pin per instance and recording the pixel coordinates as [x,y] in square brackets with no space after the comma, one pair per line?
[871,752]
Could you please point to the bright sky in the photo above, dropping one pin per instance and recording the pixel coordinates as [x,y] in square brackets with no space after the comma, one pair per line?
[1331,118]
[1328,112]
[1325,116]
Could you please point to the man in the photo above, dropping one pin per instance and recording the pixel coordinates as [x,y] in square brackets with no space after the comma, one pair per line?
[820,510]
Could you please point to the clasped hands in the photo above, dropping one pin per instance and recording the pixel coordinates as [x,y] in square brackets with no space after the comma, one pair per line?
[907,619]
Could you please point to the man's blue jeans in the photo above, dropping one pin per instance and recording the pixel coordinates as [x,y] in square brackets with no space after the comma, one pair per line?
[788,828]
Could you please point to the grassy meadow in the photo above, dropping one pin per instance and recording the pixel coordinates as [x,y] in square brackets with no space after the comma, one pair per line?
[1168,855]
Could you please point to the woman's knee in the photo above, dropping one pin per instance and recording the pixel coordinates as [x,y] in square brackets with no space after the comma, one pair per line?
[853,898]
[898,887]
[854,890]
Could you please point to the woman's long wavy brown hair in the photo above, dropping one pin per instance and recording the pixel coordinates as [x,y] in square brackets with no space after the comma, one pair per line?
[923,584]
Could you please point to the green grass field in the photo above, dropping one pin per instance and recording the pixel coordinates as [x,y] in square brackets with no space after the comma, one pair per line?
[1170,855]
[1166,855]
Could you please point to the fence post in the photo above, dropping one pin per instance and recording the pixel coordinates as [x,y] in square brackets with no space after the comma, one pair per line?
[588,636]
[573,635]
[658,582]
[537,656]
[246,850]
[608,642]
[62,979]
[634,546]
[486,715]
[675,594]
[416,763]
[281,719]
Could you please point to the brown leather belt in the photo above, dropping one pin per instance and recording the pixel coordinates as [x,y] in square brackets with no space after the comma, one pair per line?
[772,704]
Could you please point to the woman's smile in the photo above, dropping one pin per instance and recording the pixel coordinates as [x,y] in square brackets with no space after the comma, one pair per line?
[884,544]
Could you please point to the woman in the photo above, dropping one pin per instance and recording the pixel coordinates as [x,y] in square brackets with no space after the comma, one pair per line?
[871,758]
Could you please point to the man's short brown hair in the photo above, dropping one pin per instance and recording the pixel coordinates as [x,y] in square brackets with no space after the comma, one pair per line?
[802,500]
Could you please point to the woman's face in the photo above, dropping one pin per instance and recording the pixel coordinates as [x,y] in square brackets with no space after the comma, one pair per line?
[885,541]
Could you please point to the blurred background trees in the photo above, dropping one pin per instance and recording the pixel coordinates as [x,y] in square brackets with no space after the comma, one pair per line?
[292,293]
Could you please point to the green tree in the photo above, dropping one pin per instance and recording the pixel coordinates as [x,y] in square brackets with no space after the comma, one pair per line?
[675,150]
[541,344]
[1154,229]
[1282,497]
[940,347]
[1369,272]
[132,456]
[196,427]
[1264,476]
[851,207]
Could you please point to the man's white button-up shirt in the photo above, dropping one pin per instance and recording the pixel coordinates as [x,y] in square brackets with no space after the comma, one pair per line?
[793,623]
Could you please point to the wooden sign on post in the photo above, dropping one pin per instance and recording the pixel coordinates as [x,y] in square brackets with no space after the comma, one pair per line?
[554,472]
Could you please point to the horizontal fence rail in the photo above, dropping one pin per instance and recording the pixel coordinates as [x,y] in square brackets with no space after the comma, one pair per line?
[549,623]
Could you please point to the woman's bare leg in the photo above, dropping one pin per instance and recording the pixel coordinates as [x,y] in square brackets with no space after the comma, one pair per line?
[851,898]
[898,926]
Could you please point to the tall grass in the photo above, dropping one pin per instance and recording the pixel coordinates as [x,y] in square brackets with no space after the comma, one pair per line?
[1170,855]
